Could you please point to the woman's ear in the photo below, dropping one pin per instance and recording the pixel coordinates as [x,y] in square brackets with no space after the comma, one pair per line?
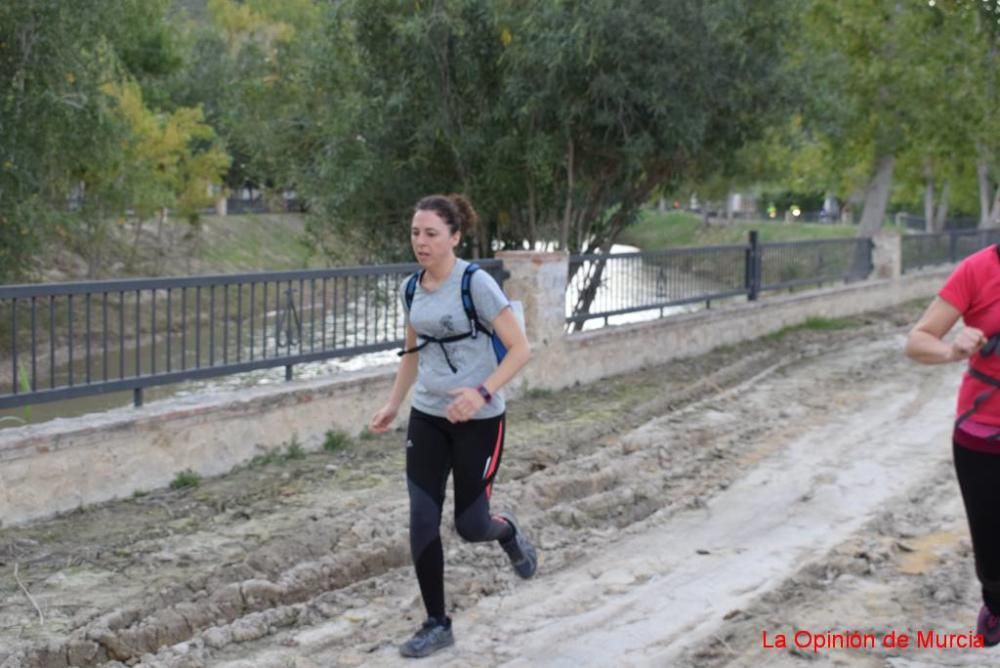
[456,239]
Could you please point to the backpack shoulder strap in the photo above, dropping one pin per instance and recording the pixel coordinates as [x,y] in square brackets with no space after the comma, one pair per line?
[411,288]
[467,303]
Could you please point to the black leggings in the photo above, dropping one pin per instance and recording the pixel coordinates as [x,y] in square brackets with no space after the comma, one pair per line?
[435,446]
[979,479]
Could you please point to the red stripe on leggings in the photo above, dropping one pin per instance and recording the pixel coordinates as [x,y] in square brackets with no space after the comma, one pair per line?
[496,452]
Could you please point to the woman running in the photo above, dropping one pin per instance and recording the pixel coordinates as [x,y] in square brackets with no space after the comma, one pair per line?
[972,293]
[457,421]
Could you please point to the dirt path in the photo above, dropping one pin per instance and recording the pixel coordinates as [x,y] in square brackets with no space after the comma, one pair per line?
[794,483]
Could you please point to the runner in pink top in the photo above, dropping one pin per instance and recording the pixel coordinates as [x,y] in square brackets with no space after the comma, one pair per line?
[972,293]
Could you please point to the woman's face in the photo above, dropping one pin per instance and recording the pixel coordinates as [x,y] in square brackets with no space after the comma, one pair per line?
[433,243]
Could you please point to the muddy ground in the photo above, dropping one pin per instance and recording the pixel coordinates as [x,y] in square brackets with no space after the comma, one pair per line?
[798,483]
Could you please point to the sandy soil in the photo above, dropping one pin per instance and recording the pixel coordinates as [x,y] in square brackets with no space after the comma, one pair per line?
[686,515]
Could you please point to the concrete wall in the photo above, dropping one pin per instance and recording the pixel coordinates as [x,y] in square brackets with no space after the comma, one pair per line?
[66,463]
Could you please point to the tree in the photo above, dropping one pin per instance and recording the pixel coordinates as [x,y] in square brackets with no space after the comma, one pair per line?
[247,68]
[558,118]
[58,128]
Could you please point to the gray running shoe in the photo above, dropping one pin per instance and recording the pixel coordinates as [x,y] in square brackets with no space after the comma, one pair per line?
[429,638]
[520,550]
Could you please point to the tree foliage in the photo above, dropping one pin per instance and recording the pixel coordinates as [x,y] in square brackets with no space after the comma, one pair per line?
[67,155]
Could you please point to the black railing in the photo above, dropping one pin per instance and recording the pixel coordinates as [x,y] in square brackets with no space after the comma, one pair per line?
[928,250]
[602,286]
[66,340]
[792,264]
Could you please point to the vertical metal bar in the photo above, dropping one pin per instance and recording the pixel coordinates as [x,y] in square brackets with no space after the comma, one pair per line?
[299,324]
[13,345]
[336,321]
[277,319]
[104,336]
[138,333]
[69,367]
[375,300]
[52,342]
[323,328]
[184,361]
[386,327]
[225,323]
[357,306]
[89,328]
[152,333]
[197,327]
[137,397]
[121,334]
[263,324]
[253,290]
[211,325]
[239,322]
[34,344]
[312,315]
[170,330]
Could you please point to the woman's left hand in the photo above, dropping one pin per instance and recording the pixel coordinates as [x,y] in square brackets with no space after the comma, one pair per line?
[466,403]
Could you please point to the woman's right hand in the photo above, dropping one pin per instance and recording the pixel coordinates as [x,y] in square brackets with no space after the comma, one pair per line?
[383,418]
[967,343]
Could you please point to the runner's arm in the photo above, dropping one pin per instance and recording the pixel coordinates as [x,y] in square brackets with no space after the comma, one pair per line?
[925,342]
[509,330]
[406,375]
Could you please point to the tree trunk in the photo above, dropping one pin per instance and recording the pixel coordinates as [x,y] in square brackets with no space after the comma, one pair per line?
[928,199]
[995,210]
[532,214]
[877,197]
[568,213]
[983,176]
[942,210]
[134,256]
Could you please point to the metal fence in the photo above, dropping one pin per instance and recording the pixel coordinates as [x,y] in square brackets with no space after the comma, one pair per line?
[66,340]
[602,286]
[928,250]
[791,264]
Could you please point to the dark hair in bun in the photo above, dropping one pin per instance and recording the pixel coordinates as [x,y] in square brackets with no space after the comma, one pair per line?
[455,210]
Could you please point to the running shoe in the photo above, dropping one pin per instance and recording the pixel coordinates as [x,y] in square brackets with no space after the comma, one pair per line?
[520,550]
[988,626]
[435,634]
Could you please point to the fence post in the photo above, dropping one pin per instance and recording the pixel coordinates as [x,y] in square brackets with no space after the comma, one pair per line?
[886,255]
[753,269]
[538,280]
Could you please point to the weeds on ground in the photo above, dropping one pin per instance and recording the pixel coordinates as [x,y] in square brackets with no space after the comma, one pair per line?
[185,479]
[336,440]
[815,324]
[292,451]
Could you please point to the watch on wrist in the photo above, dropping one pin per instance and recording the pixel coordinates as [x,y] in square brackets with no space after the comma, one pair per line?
[484,393]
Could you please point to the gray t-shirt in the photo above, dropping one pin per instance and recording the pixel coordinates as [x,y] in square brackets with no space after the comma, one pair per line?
[439,313]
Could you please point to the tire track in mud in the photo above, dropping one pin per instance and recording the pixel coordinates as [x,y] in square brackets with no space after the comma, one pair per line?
[320,558]
[908,570]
